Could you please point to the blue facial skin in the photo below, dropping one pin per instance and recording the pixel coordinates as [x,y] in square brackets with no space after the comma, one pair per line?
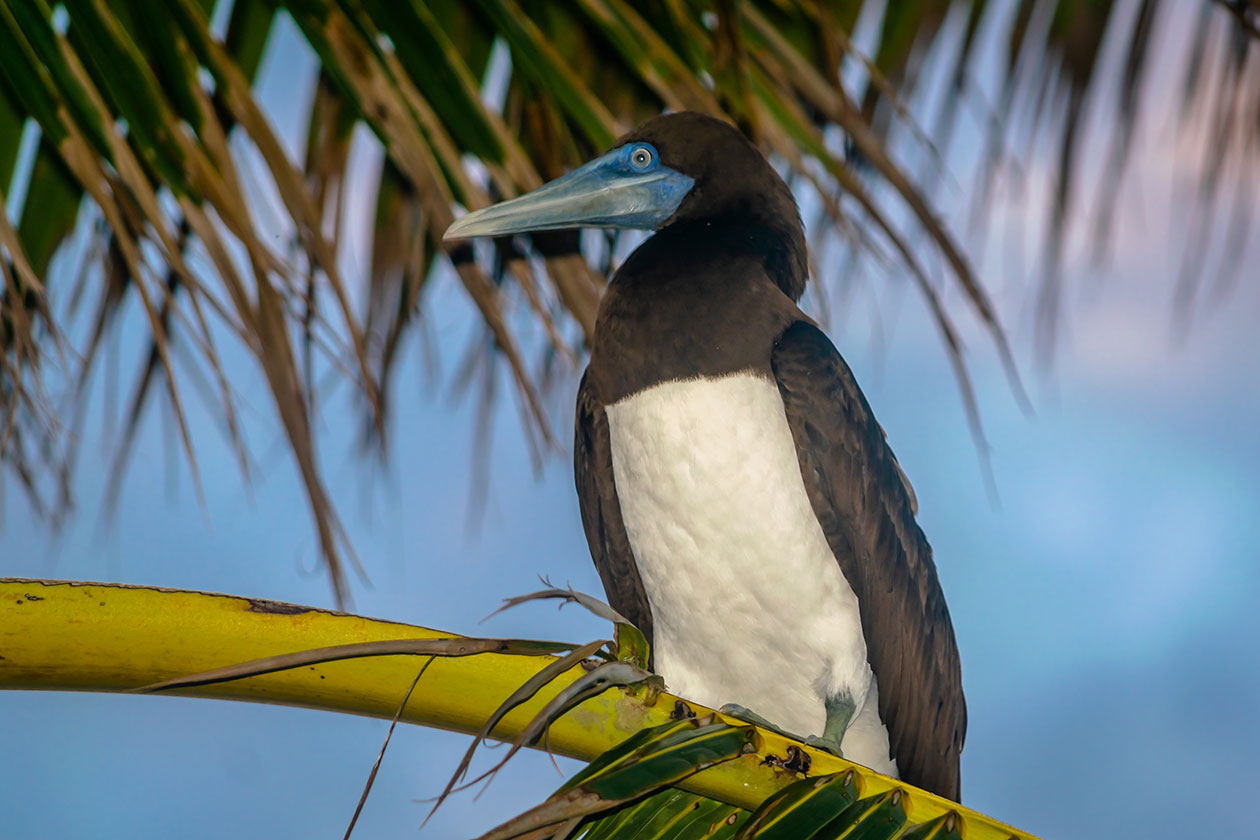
[660,189]
[628,187]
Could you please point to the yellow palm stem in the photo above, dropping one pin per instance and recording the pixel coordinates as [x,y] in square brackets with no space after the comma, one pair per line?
[77,636]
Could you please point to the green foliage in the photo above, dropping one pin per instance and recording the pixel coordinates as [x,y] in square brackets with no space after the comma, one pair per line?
[625,795]
[154,123]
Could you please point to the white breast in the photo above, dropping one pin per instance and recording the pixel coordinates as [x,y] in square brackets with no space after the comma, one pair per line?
[748,602]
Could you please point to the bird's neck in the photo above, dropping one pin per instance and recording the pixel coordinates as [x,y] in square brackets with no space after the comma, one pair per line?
[777,243]
[695,300]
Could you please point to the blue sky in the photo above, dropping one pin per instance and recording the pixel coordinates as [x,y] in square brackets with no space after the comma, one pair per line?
[1104,607]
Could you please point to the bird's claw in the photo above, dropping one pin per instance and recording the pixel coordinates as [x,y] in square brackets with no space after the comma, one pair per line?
[749,716]
[825,742]
[820,742]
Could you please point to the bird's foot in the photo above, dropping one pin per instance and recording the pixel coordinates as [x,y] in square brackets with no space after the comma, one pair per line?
[840,711]
[821,742]
[749,716]
[796,760]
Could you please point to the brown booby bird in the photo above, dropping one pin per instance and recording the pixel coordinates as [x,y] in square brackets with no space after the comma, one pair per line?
[740,500]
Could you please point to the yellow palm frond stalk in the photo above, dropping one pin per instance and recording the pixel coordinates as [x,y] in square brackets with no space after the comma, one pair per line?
[78,636]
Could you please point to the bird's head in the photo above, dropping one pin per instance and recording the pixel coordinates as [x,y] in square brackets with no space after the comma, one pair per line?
[683,169]
[675,167]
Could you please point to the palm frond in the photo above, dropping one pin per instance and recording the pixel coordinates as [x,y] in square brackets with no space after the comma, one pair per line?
[159,127]
[83,636]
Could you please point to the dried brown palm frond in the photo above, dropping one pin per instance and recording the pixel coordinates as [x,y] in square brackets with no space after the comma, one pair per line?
[199,213]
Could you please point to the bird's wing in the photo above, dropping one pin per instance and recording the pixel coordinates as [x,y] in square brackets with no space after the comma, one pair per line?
[601,513]
[858,493]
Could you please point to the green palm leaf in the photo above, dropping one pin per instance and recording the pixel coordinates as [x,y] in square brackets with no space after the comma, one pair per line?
[657,769]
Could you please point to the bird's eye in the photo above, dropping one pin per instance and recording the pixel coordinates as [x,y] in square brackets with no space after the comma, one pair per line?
[641,158]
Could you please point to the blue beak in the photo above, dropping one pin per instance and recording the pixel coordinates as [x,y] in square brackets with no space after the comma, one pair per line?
[626,188]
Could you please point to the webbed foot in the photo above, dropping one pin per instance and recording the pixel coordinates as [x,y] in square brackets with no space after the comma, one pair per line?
[822,742]
[749,716]
[840,711]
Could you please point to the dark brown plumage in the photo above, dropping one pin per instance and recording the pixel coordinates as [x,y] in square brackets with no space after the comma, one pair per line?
[863,504]
[714,292]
